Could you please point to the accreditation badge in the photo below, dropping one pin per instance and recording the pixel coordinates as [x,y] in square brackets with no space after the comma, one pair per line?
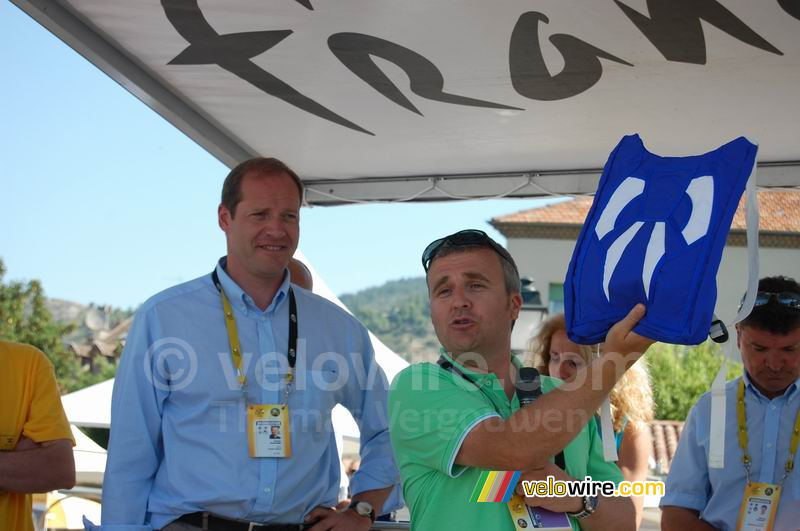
[527,517]
[268,430]
[759,507]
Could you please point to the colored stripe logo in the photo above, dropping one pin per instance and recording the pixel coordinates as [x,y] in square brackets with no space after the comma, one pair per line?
[495,486]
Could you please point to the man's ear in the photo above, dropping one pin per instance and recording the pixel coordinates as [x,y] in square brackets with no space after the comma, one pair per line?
[224,217]
[739,336]
[516,303]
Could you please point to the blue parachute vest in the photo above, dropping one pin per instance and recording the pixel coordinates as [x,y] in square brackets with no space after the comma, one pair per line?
[655,235]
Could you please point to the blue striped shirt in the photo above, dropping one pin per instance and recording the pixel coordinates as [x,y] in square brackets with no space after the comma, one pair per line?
[179,438]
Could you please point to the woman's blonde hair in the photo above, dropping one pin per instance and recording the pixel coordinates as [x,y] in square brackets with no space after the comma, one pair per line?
[631,398]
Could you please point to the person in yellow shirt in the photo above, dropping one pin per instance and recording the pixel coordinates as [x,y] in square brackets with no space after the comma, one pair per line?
[35,438]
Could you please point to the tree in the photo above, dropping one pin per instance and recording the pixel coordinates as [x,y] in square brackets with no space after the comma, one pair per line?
[398,313]
[680,375]
[24,318]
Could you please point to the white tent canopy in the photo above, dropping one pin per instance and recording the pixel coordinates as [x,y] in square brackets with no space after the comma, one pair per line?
[90,407]
[376,100]
[90,459]
[390,362]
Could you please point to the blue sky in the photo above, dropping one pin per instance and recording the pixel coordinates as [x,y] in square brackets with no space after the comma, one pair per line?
[106,202]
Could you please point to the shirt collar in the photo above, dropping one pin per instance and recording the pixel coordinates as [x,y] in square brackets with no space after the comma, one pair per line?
[241,300]
[790,393]
[474,374]
[489,383]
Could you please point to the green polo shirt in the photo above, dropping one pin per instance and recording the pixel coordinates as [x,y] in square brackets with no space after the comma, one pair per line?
[431,412]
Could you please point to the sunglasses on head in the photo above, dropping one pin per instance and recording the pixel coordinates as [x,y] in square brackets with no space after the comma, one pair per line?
[464,238]
[784,298]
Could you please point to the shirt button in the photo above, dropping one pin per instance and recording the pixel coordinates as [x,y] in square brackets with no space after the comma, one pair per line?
[769,445]
[267,490]
[772,407]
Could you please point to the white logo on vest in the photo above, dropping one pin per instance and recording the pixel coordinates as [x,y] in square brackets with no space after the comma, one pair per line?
[701,193]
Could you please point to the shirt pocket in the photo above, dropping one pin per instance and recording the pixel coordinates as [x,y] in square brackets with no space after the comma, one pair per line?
[315,394]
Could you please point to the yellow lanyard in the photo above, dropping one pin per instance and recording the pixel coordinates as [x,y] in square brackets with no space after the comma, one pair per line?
[742,420]
[233,336]
[233,339]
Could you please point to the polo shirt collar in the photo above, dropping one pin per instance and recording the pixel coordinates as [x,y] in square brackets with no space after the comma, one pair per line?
[789,394]
[242,301]
[488,381]
[517,363]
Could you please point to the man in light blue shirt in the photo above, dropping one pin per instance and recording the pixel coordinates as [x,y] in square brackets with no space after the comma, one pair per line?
[703,498]
[181,441]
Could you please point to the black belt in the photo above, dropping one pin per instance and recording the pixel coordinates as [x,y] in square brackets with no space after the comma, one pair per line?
[219,523]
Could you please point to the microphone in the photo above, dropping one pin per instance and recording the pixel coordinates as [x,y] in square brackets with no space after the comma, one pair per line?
[529,386]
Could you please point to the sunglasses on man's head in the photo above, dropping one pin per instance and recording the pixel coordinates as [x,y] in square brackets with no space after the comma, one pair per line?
[785,298]
[464,238]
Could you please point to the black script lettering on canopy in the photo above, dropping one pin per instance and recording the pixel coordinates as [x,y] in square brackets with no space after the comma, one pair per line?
[420,100]
[233,52]
[674,27]
[355,51]
[529,73]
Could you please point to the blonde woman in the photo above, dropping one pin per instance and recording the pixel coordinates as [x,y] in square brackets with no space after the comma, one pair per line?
[554,354]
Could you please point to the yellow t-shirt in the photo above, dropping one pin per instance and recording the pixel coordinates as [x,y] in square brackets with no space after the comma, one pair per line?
[31,406]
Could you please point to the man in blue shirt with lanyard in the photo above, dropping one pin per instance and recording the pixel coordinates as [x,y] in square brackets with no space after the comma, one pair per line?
[221,412]
[757,488]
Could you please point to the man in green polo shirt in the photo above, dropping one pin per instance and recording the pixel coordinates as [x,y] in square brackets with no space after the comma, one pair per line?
[451,421]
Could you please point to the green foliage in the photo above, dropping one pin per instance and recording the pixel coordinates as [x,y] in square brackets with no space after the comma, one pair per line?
[680,375]
[398,313]
[24,318]
[103,370]
[98,435]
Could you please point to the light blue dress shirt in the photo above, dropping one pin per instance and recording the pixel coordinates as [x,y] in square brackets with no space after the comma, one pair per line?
[717,493]
[179,437]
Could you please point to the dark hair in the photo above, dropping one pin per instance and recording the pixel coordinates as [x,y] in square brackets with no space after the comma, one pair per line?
[774,317]
[510,273]
[260,166]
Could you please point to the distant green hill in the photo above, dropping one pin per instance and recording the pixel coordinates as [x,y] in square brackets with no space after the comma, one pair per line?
[397,312]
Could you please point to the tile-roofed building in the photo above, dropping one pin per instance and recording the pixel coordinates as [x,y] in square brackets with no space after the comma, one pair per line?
[665,435]
[80,350]
[566,212]
[104,342]
[780,212]
[117,334]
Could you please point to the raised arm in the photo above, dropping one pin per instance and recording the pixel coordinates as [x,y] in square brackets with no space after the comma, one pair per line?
[527,439]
